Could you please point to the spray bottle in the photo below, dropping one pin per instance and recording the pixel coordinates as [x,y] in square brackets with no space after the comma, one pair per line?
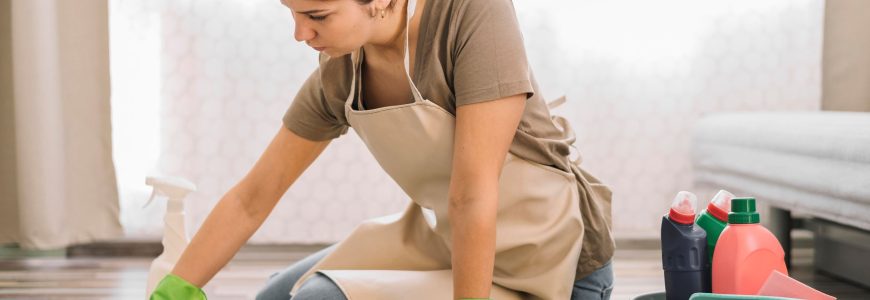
[684,250]
[175,237]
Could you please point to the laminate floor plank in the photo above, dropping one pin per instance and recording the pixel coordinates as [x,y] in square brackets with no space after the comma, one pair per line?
[637,271]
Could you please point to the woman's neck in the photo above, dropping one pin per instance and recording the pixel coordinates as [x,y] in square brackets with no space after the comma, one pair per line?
[389,43]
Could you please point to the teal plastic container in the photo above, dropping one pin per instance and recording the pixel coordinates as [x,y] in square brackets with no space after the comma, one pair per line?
[709,296]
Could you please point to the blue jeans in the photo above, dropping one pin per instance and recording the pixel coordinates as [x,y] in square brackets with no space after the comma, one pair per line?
[597,285]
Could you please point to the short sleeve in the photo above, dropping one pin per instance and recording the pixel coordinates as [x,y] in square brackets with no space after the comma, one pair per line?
[309,116]
[489,56]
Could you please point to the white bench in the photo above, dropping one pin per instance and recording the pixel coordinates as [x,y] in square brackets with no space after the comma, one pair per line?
[811,163]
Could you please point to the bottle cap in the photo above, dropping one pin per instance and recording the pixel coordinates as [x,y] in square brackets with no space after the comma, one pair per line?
[683,208]
[720,206]
[743,211]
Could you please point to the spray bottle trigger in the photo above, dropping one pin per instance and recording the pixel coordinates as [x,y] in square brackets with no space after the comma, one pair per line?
[151,199]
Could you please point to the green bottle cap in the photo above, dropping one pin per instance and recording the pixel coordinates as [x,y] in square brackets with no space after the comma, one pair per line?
[743,211]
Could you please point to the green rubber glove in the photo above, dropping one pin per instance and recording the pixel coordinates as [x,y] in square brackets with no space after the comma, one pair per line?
[173,287]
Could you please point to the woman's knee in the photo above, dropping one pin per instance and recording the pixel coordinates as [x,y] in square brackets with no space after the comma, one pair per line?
[274,289]
[319,287]
[598,285]
[278,285]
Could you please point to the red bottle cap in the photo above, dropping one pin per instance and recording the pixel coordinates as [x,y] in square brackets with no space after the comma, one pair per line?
[720,206]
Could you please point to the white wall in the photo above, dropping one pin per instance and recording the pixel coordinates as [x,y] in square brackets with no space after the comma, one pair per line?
[637,75]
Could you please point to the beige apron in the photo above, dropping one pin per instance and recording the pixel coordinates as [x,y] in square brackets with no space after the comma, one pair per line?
[407,255]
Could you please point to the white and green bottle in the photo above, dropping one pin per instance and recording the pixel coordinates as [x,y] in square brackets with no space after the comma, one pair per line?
[175,237]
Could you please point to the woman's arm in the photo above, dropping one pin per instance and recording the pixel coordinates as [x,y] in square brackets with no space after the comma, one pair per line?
[484,132]
[245,206]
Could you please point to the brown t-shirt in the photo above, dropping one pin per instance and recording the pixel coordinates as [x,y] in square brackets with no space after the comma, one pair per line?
[468,51]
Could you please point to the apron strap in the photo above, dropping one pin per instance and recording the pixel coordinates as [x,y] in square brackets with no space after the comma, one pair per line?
[412,4]
[356,67]
[556,103]
[563,124]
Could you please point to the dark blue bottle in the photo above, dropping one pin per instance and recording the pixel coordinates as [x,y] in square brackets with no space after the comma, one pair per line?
[684,250]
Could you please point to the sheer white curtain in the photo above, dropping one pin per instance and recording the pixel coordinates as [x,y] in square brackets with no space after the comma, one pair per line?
[637,75]
[200,88]
[58,183]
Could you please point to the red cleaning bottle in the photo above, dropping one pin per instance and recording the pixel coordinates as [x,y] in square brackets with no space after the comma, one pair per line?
[746,252]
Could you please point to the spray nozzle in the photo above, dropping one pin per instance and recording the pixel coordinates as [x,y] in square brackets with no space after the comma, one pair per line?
[683,208]
[172,187]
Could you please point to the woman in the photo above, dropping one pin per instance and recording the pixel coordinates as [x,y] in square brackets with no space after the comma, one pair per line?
[441,93]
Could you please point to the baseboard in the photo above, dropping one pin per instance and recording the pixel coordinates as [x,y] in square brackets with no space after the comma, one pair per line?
[154,248]
[116,249]
[13,251]
[801,239]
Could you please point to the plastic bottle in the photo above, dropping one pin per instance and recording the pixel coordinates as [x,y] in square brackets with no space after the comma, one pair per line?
[746,252]
[713,220]
[175,237]
[684,250]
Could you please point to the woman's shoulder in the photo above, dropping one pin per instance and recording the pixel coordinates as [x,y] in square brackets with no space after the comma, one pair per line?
[334,66]
[465,19]
[471,8]
[335,75]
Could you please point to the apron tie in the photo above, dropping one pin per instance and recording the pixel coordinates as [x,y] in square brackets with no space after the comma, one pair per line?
[565,126]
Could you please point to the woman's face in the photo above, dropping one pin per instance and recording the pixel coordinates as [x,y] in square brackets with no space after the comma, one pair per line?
[334,27]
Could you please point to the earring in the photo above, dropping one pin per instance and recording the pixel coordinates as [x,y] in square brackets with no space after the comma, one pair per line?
[383,12]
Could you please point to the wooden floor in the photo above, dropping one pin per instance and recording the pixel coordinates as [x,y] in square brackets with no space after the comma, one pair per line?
[637,271]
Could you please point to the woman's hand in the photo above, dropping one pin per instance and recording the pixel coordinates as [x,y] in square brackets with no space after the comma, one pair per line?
[173,287]
[484,132]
